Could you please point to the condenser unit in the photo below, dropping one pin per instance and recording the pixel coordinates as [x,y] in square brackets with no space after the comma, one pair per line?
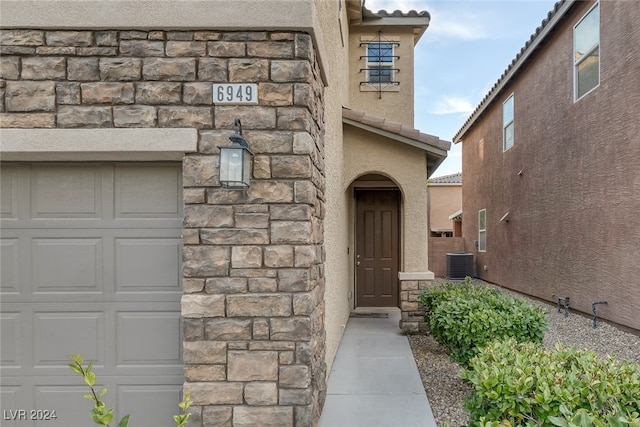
[459,265]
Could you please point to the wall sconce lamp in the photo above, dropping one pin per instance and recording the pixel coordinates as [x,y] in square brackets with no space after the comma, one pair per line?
[235,160]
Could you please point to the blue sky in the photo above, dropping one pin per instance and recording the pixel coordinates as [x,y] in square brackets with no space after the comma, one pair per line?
[462,54]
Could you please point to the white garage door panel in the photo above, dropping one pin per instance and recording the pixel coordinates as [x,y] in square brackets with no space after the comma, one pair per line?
[91,265]
[80,258]
[147,265]
[9,254]
[10,327]
[133,325]
[56,334]
[8,192]
[69,192]
[147,193]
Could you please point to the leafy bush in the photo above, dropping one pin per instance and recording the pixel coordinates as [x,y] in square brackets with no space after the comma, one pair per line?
[521,384]
[463,318]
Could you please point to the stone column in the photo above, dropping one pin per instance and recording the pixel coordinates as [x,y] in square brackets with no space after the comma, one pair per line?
[253,270]
[412,313]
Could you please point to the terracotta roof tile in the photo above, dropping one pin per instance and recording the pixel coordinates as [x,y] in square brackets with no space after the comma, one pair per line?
[394,127]
[455,178]
[395,14]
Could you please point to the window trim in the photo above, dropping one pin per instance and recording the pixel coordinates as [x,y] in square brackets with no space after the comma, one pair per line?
[512,122]
[587,54]
[378,64]
[482,212]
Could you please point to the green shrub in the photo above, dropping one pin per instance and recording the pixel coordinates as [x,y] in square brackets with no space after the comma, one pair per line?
[435,295]
[521,384]
[463,318]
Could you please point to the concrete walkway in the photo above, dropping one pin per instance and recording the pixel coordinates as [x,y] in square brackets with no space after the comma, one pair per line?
[374,381]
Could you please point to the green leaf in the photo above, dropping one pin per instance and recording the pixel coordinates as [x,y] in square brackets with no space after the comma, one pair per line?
[77,369]
[90,378]
[102,392]
[124,422]
[581,419]
[557,421]
[106,418]
[77,359]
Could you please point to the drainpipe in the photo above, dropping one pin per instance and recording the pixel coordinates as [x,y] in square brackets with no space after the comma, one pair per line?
[565,303]
[595,317]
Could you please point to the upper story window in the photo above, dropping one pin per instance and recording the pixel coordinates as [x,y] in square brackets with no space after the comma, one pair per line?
[380,61]
[507,124]
[586,53]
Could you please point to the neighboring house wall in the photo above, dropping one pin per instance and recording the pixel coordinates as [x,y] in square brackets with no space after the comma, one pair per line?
[570,181]
[439,247]
[444,200]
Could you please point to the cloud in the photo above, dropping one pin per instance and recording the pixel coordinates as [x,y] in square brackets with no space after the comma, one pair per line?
[455,20]
[454,105]
[455,28]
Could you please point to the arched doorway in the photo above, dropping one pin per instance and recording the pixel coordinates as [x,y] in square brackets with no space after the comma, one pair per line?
[377,241]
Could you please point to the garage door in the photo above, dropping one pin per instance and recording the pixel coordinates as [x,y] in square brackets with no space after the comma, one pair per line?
[90,264]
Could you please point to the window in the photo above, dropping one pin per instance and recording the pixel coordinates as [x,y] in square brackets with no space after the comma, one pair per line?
[380,62]
[482,230]
[507,124]
[586,53]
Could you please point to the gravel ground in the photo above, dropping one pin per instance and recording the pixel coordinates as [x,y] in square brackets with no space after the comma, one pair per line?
[446,390]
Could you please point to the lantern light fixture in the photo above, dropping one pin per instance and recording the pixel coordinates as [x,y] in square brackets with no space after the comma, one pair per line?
[235,160]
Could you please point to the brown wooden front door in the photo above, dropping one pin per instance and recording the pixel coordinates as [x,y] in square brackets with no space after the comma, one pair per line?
[377,248]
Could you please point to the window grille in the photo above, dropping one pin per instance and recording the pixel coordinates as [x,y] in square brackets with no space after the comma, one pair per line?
[380,63]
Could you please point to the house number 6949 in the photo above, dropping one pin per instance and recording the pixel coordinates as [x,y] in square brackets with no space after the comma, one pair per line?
[235,94]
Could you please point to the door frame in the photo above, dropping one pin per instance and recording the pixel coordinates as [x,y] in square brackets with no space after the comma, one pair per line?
[387,186]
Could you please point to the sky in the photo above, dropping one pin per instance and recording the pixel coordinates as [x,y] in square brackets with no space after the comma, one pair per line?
[463,53]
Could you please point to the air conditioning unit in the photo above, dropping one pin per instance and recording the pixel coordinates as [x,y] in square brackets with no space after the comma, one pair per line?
[459,265]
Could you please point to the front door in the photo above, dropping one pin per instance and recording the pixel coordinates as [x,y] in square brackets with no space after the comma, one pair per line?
[377,248]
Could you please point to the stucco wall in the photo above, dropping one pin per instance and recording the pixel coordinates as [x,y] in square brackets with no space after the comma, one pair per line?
[444,199]
[396,102]
[406,166]
[573,225]
[336,219]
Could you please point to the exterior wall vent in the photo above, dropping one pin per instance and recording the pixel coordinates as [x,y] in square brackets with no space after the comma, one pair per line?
[459,265]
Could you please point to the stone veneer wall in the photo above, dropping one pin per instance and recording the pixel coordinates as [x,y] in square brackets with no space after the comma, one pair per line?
[412,312]
[253,260]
